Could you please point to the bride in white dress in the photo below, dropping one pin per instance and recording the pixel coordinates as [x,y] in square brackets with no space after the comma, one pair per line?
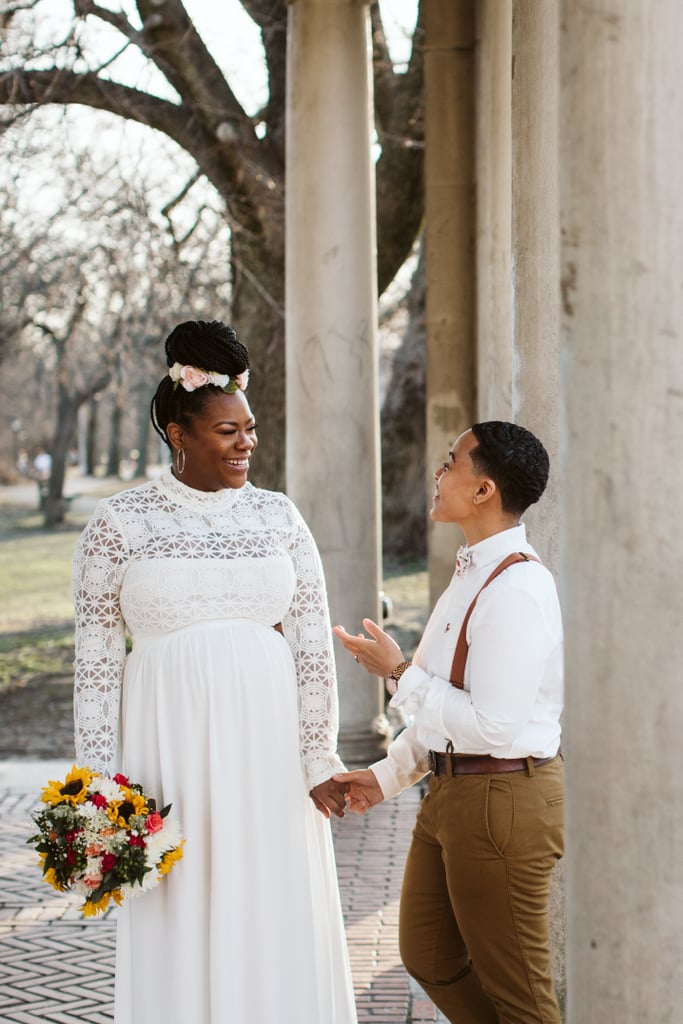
[231,720]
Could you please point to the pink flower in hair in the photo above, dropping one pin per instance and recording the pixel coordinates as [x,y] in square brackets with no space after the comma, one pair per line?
[191,378]
[241,380]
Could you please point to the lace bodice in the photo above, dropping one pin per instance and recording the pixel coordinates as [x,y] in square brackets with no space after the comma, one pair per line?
[163,556]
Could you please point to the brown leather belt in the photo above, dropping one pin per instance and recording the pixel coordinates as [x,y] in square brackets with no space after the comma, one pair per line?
[480,764]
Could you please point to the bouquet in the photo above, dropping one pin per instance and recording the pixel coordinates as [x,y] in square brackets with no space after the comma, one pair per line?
[103,838]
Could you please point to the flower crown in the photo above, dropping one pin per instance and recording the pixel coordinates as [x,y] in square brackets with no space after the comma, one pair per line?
[192,377]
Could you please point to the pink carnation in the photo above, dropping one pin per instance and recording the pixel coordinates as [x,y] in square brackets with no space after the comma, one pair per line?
[242,379]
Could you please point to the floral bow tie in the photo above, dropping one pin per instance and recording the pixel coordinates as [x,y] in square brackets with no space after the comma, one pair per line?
[462,560]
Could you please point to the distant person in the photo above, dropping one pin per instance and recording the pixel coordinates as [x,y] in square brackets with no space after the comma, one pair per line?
[226,707]
[23,464]
[485,695]
[42,465]
[41,469]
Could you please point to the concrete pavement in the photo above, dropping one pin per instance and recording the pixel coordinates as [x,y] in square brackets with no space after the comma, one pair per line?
[56,968]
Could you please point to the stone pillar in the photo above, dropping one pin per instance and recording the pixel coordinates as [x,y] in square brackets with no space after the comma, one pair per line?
[536,276]
[535,247]
[449,248]
[494,210]
[622,545]
[331,325]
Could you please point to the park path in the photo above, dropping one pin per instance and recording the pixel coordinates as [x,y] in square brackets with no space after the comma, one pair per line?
[55,968]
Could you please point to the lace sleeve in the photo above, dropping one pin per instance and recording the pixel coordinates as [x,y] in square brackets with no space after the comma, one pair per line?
[100,560]
[307,630]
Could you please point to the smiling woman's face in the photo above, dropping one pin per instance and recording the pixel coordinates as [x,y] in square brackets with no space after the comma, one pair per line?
[218,443]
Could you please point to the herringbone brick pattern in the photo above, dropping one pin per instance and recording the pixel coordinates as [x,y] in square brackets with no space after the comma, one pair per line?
[56,968]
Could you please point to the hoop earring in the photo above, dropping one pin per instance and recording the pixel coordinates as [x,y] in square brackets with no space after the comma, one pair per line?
[180,468]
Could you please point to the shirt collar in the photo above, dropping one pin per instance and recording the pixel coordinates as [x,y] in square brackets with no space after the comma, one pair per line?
[496,547]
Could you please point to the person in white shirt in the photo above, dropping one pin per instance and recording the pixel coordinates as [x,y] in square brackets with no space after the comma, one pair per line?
[485,694]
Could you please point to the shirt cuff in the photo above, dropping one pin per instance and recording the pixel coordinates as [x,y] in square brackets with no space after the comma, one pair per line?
[387,778]
[411,691]
[406,763]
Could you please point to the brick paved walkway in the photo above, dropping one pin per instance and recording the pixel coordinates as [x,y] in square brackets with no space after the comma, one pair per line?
[57,969]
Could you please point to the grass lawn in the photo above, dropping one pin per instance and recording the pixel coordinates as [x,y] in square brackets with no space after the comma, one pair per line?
[36,611]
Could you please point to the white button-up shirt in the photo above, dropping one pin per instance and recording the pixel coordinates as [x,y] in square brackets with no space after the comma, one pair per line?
[512,698]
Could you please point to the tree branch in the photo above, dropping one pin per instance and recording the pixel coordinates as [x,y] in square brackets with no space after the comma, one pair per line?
[222,162]
[400,168]
[172,42]
[271,18]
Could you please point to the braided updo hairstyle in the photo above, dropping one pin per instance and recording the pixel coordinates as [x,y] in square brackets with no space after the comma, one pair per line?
[515,460]
[208,345]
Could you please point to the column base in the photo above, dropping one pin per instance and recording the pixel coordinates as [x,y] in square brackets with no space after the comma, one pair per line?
[360,747]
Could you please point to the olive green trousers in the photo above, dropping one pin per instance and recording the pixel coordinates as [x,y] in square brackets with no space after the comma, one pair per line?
[474,907]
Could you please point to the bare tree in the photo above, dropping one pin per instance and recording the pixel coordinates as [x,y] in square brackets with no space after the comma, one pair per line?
[242,156]
[89,292]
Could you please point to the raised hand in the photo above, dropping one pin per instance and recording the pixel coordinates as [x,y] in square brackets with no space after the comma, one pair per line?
[379,653]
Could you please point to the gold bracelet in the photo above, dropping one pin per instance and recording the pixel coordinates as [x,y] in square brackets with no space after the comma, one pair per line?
[394,676]
[397,672]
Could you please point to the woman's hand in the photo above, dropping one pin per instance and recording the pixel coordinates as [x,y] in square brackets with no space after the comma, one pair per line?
[330,796]
[379,655]
[364,791]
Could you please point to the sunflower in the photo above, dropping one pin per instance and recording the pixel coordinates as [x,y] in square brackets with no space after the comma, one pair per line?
[90,909]
[169,859]
[50,876]
[121,811]
[72,791]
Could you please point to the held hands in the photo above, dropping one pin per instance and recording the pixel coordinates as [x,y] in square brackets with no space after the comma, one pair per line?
[364,790]
[379,655]
[331,796]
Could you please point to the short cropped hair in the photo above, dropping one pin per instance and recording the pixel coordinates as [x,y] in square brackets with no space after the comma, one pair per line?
[515,460]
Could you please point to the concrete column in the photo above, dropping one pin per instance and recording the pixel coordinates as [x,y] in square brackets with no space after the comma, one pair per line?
[331,325]
[622,546]
[494,210]
[535,247]
[449,248]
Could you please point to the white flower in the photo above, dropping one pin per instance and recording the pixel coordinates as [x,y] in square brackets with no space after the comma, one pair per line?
[107,787]
[161,842]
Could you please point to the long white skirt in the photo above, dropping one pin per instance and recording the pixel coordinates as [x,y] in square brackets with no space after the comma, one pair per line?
[247,927]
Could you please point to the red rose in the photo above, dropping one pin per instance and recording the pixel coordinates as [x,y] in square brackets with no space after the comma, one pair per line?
[154,823]
[121,779]
[136,841]
[70,856]
[98,800]
[108,862]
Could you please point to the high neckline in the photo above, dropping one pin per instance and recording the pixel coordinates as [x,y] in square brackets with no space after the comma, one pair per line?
[190,497]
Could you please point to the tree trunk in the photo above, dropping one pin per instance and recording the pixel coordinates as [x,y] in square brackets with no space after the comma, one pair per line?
[91,438]
[258,301]
[67,413]
[404,502]
[114,454]
[143,431]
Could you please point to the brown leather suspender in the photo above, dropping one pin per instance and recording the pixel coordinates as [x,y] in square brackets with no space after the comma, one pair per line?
[462,647]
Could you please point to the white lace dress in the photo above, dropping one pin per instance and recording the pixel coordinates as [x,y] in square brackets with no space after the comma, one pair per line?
[218,713]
